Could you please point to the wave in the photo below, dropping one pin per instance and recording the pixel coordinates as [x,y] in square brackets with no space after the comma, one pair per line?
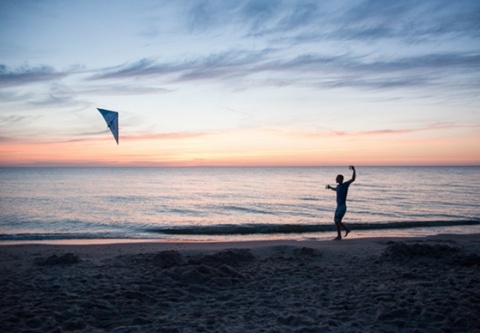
[230,230]
[309,199]
[265,229]
[59,236]
[247,210]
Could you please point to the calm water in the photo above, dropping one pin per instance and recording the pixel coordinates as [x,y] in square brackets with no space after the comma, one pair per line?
[233,203]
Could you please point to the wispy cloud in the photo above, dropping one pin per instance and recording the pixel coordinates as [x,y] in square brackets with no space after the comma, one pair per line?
[104,135]
[379,132]
[26,75]
[214,65]
[165,136]
[59,94]
[315,69]
[306,20]
[123,89]
[8,96]
[11,119]
[302,22]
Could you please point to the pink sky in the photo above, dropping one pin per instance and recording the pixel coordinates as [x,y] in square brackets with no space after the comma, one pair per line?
[249,148]
[240,82]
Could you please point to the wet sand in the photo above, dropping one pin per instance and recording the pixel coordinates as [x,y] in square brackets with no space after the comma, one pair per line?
[429,284]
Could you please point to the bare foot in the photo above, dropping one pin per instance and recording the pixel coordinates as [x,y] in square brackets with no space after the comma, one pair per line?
[347,232]
[338,238]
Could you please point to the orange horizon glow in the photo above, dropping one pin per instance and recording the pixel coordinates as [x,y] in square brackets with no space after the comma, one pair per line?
[244,149]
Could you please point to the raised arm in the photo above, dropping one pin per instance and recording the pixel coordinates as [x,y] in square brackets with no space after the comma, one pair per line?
[354,175]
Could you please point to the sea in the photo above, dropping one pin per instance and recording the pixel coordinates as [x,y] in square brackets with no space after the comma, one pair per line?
[95,205]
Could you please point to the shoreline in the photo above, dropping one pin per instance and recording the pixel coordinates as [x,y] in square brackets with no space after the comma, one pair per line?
[414,232]
[393,284]
[356,235]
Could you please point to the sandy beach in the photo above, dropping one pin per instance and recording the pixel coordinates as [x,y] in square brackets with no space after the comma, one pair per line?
[427,284]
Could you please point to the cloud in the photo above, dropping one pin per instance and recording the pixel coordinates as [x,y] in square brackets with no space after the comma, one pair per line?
[164,136]
[123,90]
[141,68]
[326,71]
[297,17]
[431,61]
[304,23]
[11,96]
[12,119]
[215,65]
[145,136]
[374,83]
[240,112]
[58,95]
[103,135]
[251,16]
[381,132]
[406,21]
[26,75]
[367,20]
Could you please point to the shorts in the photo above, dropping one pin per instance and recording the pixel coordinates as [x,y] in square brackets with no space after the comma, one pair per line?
[340,213]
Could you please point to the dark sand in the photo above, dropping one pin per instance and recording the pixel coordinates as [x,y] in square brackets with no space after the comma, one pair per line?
[427,284]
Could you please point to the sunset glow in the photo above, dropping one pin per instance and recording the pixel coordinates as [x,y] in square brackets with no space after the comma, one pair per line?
[245,83]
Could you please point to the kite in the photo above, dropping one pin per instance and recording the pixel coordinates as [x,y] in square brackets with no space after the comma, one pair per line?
[111,117]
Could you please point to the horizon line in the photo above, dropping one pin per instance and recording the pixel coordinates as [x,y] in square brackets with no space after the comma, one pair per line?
[241,166]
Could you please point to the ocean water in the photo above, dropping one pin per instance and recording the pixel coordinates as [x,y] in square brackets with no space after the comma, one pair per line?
[210,204]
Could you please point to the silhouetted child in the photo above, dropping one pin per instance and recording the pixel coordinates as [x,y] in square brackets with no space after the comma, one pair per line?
[342,191]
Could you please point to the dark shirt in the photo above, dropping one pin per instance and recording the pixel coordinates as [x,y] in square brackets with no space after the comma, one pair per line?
[342,191]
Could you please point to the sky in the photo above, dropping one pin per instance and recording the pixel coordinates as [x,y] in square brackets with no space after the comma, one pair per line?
[240,83]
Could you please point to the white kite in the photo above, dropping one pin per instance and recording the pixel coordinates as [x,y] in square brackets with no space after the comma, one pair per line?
[111,117]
